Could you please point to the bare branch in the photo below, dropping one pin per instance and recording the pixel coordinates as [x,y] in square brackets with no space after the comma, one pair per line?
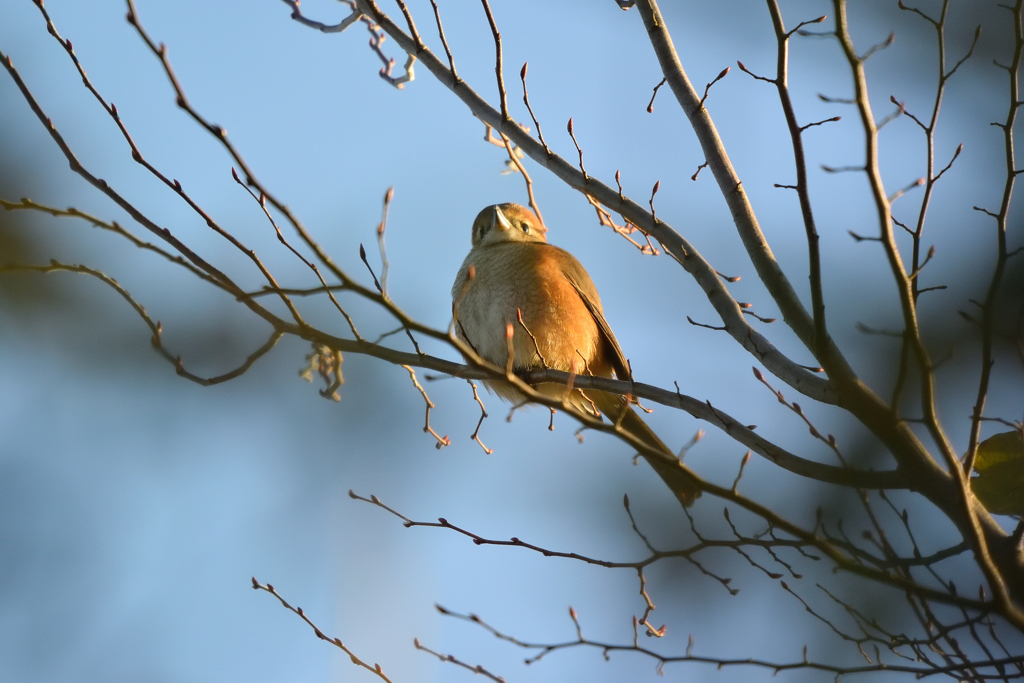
[526,101]
[498,71]
[354,16]
[722,74]
[650,105]
[452,659]
[375,669]
[441,440]
[444,41]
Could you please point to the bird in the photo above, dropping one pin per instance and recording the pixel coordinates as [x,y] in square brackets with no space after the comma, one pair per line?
[516,292]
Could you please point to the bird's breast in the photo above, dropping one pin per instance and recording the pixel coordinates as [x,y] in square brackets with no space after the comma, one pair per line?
[557,330]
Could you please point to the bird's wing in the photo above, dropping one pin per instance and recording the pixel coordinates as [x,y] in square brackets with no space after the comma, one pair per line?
[671,470]
[584,286]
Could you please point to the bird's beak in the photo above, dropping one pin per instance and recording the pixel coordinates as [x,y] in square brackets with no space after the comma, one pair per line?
[498,220]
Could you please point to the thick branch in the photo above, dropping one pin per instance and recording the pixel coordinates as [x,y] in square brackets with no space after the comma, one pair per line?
[731,187]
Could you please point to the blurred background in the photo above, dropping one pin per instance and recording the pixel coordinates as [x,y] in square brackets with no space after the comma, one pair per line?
[135,506]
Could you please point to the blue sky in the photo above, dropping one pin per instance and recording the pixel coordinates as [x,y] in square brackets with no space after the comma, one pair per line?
[134,506]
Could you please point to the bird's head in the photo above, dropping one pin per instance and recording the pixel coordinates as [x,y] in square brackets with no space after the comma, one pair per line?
[507,223]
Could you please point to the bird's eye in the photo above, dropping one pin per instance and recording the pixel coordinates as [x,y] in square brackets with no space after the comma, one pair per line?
[526,227]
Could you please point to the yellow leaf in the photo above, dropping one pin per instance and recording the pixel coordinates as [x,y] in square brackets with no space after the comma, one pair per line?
[999,483]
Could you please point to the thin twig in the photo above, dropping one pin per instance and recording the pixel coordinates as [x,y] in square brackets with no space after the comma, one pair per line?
[444,41]
[375,669]
[498,71]
[441,440]
[526,177]
[526,101]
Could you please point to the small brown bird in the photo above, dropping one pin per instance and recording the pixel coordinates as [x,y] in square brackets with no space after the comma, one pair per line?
[512,271]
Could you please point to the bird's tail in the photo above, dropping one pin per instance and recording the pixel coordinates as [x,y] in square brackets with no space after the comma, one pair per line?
[675,475]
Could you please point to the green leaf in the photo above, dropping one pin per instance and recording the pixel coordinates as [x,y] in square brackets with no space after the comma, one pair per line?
[999,483]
